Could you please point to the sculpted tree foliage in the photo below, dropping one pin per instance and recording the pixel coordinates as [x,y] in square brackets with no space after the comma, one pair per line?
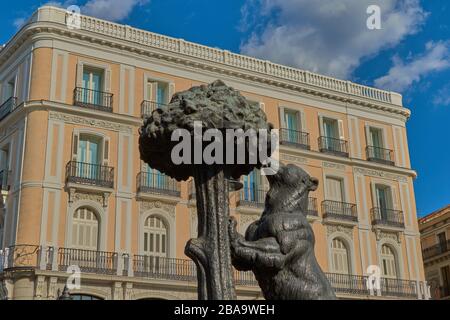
[214,106]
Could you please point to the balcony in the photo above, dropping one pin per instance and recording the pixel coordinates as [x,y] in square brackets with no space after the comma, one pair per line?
[7,107]
[158,184]
[387,217]
[339,211]
[147,107]
[251,198]
[90,174]
[333,146]
[92,99]
[380,155]
[312,207]
[164,268]
[436,250]
[88,261]
[106,264]
[296,139]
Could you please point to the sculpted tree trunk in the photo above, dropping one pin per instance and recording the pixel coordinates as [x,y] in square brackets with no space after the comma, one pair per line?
[214,106]
[211,250]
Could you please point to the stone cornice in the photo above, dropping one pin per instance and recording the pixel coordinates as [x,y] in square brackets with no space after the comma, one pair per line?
[51,21]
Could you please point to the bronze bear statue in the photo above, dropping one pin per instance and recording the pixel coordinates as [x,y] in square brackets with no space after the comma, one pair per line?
[279,247]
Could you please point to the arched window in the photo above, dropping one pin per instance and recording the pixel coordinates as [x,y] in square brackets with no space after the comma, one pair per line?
[388,262]
[340,257]
[155,237]
[85,229]
[83,297]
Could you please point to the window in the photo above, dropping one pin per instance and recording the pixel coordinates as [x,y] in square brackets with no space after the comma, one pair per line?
[156,243]
[291,120]
[92,84]
[4,168]
[335,189]
[340,257]
[9,89]
[85,229]
[376,137]
[253,187]
[157,92]
[89,156]
[153,178]
[388,262]
[83,297]
[330,128]
[442,241]
[384,200]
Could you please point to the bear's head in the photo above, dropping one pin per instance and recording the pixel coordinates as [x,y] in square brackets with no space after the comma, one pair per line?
[289,188]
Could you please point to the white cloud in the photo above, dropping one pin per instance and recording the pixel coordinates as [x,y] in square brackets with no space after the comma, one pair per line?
[114,10]
[18,22]
[326,36]
[442,98]
[402,75]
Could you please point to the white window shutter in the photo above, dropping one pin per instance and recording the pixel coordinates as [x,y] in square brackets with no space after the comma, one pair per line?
[108,80]
[303,121]
[341,129]
[148,90]
[395,199]
[75,142]
[79,74]
[321,128]
[171,91]
[154,92]
[262,106]
[368,136]
[106,151]
[282,119]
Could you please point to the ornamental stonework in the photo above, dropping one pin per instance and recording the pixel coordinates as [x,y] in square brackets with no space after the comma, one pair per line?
[150,205]
[295,159]
[86,121]
[75,196]
[332,165]
[380,235]
[338,228]
[380,174]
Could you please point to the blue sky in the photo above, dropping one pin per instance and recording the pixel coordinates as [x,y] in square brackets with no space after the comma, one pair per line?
[410,54]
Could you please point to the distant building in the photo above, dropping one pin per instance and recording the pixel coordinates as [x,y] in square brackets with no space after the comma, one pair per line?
[435,238]
[75,192]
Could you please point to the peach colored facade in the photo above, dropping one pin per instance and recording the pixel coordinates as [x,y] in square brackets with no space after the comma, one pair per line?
[39,135]
[435,235]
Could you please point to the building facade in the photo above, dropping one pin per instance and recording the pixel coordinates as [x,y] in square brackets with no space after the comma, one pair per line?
[75,192]
[435,238]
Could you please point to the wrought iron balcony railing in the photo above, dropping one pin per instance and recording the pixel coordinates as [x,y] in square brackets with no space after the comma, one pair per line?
[380,155]
[251,197]
[295,138]
[339,210]
[7,107]
[4,176]
[164,268]
[157,183]
[19,257]
[147,107]
[90,174]
[88,261]
[387,217]
[93,99]
[436,250]
[312,207]
[25,257]
[333,146]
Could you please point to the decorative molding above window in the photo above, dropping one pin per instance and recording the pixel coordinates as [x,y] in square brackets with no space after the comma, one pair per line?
[86,121]
[379,174]
[145,206]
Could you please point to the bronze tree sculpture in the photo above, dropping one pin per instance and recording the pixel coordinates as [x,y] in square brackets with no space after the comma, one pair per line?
[279,247]
[214,106]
